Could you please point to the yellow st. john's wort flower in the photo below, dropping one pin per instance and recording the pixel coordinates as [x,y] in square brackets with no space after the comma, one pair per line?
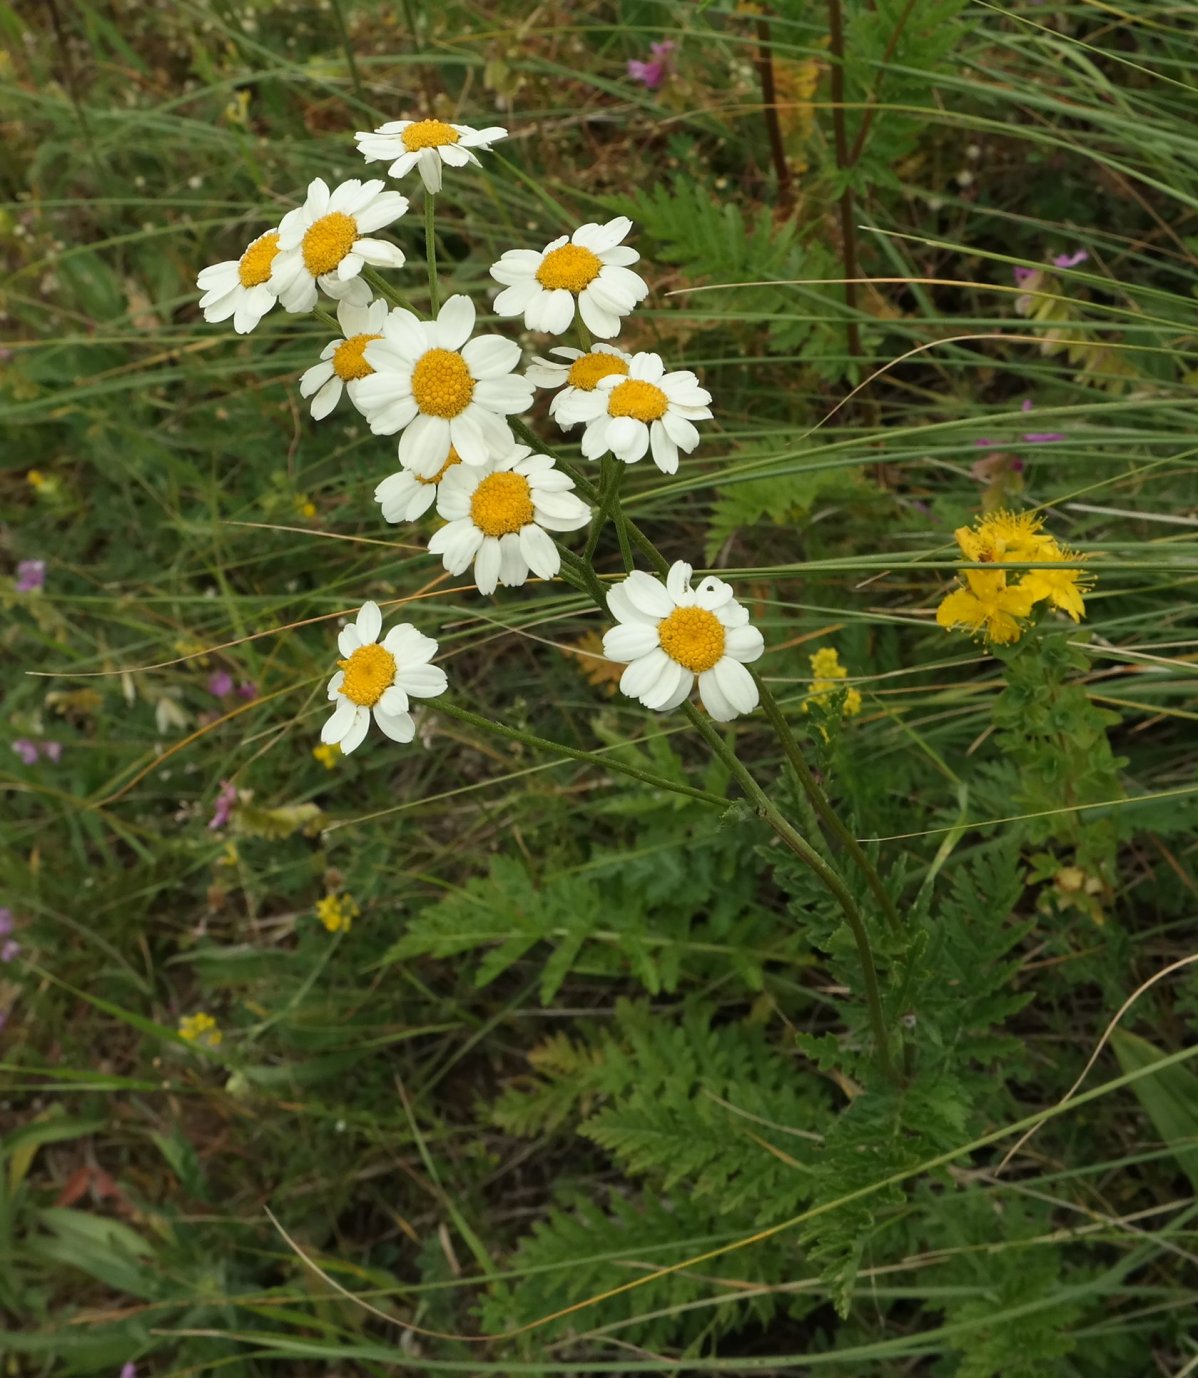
[996,603]
[337,912]
[200,1028]
[826,672]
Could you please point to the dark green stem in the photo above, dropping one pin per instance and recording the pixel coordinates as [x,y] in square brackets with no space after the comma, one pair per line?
[387,292]
[823,807]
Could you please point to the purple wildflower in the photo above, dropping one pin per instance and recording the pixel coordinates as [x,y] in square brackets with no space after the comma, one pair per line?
[651,74]
[31,575]
[52,751]
[220,683]
[9,949]
[1028,437]
[1024,275]
[26,750]
[1070,260]
[5,921]
[223,809]
[129,1370]
[247,689]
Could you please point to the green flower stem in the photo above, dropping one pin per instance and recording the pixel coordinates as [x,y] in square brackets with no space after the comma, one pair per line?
[328,318]
[430,253]
[822,805]
[830,878]
[584,335]
[579,573]
[609,497]
[386,291]
[514,734]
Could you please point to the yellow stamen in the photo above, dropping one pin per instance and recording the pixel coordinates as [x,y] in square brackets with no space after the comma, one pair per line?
[571,267]
[644,401]
[441,383]
[586,372]
[349,360]
[328,241]
[368,672]
[451,459]
[428,134]
[502,504]
[253,268]
[693,637]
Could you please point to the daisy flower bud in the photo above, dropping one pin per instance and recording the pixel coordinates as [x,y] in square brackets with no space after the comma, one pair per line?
[670,633]
[442,388]
[499,517]
[426,145]
[376,678]
[326,241]
[342,361]
[241,287]
[590,268]
[649,409]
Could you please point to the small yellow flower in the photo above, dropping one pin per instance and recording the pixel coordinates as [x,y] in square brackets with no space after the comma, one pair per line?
[827,671]
[337,912]
[200,1028]
[988,605]
[305,506]
[35,478]
[328,754]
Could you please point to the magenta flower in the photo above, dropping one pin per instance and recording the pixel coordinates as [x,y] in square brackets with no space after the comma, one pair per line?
[1024,275]
[129,1370]
[247,689]
[9,949]
[651,74]
[26,750]
[220,683]
[52,751]
[31,575]
[223,808]
[1070,260]
[1029,437]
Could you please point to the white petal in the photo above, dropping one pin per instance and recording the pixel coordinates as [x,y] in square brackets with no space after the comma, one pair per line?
[539,551]
[486,565]
[629,641]
[348,640]
[423,681]
[335,727]
[398,726]
[643,673]
[393,700]
[648,595]
[490,356]
[353,738]
[513,567]
[736,685]
[455,321]
[370,623]
[666,685]
[744,643]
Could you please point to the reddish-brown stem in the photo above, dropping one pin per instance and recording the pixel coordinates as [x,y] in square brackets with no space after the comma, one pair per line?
[848,230]
[769,101]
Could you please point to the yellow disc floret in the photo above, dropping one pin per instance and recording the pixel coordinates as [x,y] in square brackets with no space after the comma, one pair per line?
[502,504]
[450,460]
[571,267]
[428,134]
[368,672]
[441,383]
[253,268]
[586,372]
[337,912]
[693,637]
[349,359]
[328,241]
[643,401]
[200,1028]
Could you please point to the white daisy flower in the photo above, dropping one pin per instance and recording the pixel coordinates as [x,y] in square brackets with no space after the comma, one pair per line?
[425,144]
[442,388]
[326,240]
[669,633]
[405,496]
[590,266]
[240,287]
[649,410]
[377,677]
[581,372]
[499,516]
[342,363]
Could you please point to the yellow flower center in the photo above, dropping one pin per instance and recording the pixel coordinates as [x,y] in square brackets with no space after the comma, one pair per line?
[428,134]
[253,268]
[441,383]
[645,401]
[368,672]
[586,372]
[571,267]
[349,361]
[450,460]
[328,241]
[502,504]
[693,637]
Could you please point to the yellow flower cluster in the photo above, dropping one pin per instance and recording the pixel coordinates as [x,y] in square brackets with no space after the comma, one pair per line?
[328,754]
[997,603]
[200,1028]
[827,672]
[337,912]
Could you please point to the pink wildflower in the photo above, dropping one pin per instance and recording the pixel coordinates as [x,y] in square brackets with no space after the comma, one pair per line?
[9,949]
[52,751]
[247,689]
[31,576]
[6,924]
[1070,260]
[223,808]
[220,683]
[26,750]
[651,74]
